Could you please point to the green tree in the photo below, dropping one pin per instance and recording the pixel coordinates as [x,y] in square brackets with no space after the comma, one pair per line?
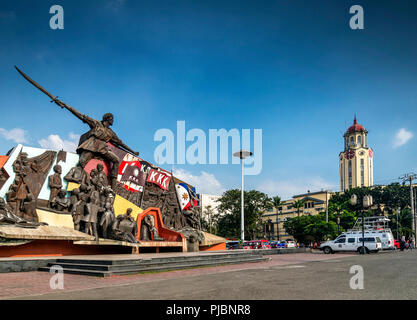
[209,219]
[386,200]
[308,228]
[321,230]
[255,202]
[298,205]
[404,223]
[276,202]
[341,210]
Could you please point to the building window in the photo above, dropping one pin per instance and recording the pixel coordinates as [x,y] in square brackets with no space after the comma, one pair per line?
[359,140]
[362,172]
[350,173]
[370,172]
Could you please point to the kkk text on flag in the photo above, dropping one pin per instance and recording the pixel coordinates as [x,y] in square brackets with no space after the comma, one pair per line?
[159,178]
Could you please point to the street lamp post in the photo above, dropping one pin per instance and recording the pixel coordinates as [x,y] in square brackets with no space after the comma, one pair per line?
[397,211]
[338,214]
[269,229]
[242,154]
[278,224]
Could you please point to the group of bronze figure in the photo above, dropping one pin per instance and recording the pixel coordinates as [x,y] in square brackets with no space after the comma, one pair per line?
[21,198]
[91,203]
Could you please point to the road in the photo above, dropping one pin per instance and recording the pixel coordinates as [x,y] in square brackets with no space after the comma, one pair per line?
[387,275]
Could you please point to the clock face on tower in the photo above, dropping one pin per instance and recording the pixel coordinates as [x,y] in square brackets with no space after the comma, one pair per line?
[350,154]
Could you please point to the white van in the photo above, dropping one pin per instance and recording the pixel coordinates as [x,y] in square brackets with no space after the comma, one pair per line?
[352,242]
[376,226]
[386,236]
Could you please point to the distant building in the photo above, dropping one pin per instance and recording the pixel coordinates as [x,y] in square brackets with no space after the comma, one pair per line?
[356,161]
[209,201]
[313,203]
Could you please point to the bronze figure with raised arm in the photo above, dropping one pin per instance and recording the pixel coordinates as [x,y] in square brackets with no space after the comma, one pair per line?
[93,144]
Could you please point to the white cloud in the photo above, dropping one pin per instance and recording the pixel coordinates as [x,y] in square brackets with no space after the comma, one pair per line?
[402,137]
[286,189]
[54,142]
[17,135]
[204,183]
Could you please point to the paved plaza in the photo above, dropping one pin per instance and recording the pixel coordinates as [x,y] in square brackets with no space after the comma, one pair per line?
[387,275]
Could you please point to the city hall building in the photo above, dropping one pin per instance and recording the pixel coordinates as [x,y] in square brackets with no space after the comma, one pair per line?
[356,160]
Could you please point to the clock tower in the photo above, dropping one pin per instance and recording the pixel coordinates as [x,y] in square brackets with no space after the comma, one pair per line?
[356,161]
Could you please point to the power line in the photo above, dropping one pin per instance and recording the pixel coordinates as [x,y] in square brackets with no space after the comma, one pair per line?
[410,177]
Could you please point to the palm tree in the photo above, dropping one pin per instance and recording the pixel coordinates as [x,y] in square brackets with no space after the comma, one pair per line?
[276,203]
[208,213]
[298,205]
[403,225]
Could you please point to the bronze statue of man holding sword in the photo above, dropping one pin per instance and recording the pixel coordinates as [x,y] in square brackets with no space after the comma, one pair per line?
[93,144]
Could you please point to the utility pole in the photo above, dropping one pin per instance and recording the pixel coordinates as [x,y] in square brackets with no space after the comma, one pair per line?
[410,177]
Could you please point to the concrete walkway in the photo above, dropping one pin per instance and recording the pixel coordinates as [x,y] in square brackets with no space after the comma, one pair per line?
[36,285]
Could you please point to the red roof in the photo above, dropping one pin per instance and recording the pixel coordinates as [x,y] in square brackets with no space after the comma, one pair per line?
[356,127]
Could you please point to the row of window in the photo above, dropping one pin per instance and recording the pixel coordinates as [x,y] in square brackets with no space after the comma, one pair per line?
[352,240]
[306,206]
[352,141]
[362,171]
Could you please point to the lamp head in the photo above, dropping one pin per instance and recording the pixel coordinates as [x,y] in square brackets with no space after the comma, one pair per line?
[242,154]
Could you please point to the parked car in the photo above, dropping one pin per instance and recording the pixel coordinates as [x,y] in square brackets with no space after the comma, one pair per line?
[274,244]
[282,244]
[352,242]
[247,245]
[290,244]
[230,245]
[397,244]
[259,244]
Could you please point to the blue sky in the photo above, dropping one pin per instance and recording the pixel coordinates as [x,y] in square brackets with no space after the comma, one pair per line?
[291,68]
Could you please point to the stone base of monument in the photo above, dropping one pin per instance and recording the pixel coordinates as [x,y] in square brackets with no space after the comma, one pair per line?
[53,240]
[111,265]
[192,246]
